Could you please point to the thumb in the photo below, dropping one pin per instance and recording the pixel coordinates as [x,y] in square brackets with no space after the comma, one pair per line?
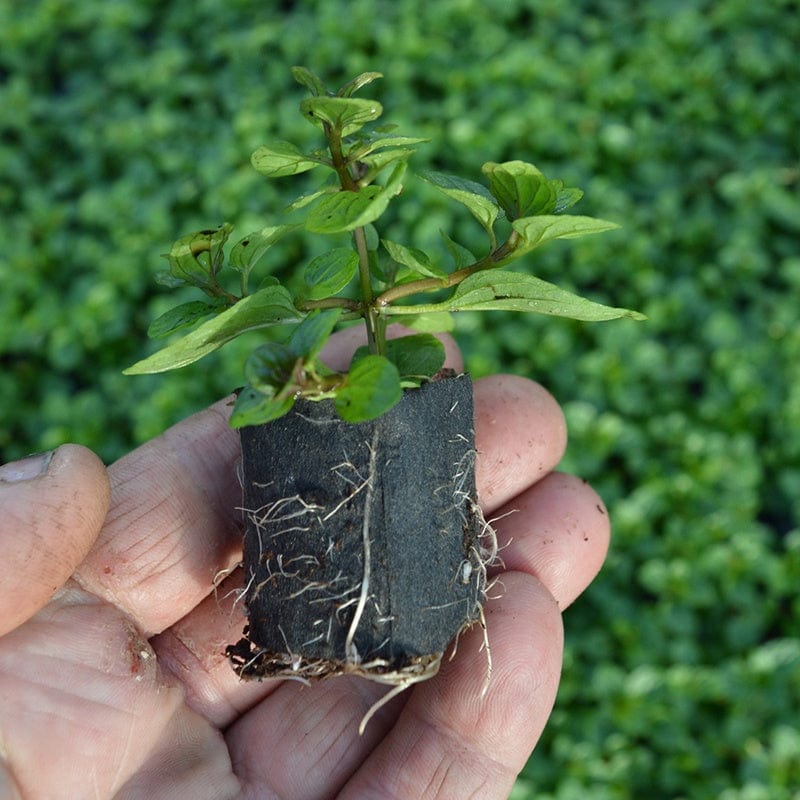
[52,507]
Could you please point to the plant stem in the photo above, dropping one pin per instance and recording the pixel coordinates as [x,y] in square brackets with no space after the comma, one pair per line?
[368,309]
[490,261]
[330,302]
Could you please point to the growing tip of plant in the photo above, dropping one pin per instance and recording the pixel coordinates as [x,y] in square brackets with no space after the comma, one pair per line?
[363,168]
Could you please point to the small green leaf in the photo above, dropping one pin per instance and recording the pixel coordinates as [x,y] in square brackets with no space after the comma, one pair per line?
[166,278]
[520,189]
[345,211]
[305,77]
[373,143]
[566,196]
[197,257]
[330,272]
[344,114]
[501,290]
[255,408]
[372,387]
[460,255]
[416,260]
[182,316]
[270,366]
[281,158]
[306,199]
[351,87]
[269,306]
[535,231]
[310,336]
[246,252]
[379,161]
[473,195]
[434,322]
[418,357]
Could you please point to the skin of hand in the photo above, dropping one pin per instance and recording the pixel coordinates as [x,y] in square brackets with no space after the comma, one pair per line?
[113,678]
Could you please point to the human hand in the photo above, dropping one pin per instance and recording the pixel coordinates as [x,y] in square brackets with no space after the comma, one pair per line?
[117,686]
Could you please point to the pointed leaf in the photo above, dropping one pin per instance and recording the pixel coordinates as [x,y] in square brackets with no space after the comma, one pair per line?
[255,408]
[197,257]
[501,290]
[343,114]
[182,316]
[351,87]
[566,196]
[246,252]
[345,211]
[473,195]
[434,322]
[460,255]
[330,272]
[416,260]
[312,333]
[418,357]
[307,78]
[306,199]
[270,306]
[373,143]
[270,366]
[281,158]
[371,389]
[535,231]
[520,189]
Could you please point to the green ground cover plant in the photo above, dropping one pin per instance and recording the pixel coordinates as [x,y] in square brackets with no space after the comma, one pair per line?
[122,123]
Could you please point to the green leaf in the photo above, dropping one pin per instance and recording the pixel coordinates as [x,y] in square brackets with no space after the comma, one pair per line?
[269,306]
[520,189]
[434,322]
[270,366]
[535,231]
[379,161]
[282,158]
[501,290]
[313,332]
[344,114]
[371,389]
[306,199]
[351,87]
[566,196]
[305,77]
[345,211]
[166,278]
[418,357]
[182,316]
[416,260]
[330,272]
[373,143]
[197,257]
[460,255]
[255,408]
[473,195]
[246,252]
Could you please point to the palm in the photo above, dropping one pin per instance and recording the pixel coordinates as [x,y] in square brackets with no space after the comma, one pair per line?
[119,686]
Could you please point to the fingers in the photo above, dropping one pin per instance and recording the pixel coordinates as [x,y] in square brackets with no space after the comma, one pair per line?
[559,531]
[51,509]
[512,420]
[449,740]
[172,523]
[520,435]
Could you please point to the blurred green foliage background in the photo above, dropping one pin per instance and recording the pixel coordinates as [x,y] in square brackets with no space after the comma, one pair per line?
[126,123]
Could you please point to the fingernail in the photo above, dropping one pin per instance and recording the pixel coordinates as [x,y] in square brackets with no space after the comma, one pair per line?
[26,468]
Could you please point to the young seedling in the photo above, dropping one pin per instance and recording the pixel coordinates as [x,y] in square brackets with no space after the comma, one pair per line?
[365,551]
